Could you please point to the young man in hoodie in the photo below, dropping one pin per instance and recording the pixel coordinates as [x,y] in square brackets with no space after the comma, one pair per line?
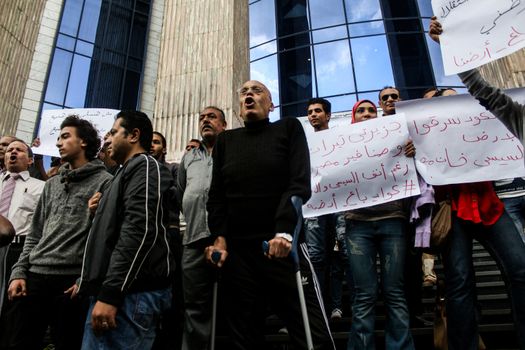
[127,263]
[51,260]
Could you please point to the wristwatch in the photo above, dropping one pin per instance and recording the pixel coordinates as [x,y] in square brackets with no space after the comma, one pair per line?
[286,236]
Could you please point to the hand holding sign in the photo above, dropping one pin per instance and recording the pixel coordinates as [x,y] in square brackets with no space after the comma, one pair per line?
[477,32]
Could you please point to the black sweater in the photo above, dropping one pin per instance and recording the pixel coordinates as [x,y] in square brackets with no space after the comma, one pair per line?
[256,170]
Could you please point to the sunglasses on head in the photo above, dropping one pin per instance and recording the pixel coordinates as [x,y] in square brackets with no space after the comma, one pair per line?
[386,96]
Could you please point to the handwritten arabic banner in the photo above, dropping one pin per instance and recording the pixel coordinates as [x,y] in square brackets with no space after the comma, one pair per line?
[49,130]
[360,165]
[476,32]
[458,141]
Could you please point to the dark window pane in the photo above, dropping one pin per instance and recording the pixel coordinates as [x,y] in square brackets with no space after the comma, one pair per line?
[134,64]
[372,65]
[125,3]
[118,31]
[362,10]
[107,93]
[84,48]
[131,90]
[71,17]
[90,16]
[324,13]
[76,92]
[56,86]
[138,36]
[368,28]
[142,7]
[334,68]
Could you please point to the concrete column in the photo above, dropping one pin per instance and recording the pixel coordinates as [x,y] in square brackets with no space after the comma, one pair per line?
[204,58]
[507,72]
[19,29]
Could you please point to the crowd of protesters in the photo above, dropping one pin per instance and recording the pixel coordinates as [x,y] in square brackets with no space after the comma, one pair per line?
[93,256]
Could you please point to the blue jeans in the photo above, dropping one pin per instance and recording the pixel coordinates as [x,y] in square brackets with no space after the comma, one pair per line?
[364,240]
[320,233]
[515,207]
[137,319]
[504,243]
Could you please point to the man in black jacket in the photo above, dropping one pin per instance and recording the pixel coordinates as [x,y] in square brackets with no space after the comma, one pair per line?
[256,170]
[127,262]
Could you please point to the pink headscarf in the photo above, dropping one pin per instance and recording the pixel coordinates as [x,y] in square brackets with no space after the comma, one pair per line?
[357,105]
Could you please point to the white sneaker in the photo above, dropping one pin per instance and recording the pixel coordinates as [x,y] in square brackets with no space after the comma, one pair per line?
[337,314]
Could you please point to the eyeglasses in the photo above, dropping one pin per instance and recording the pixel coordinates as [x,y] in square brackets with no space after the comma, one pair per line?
[386,96]
[363,109]
[255,89]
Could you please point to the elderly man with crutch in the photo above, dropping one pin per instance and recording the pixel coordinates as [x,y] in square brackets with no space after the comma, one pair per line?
[256,171]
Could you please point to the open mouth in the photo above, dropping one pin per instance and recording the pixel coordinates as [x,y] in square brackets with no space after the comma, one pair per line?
[249,102]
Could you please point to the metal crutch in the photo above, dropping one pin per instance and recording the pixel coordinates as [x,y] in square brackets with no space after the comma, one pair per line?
[215,257]
[297,203]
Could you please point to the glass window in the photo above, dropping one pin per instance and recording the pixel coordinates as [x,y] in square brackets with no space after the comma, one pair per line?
[56,86]
[362,10]
[262,22]
[367,28]
[437,65]
[342,103]
[263,50]
[117,33]
[334,68]
[324,13]
[107,93]
[276,114]
[76,92]
[84,48]
[328,34]
[66,42]
[372,96]
[372,65]
[131,90]
[48,106]
[89,24]
[266,72]
[142,6]
[138,36]
[71,17]
[425,8]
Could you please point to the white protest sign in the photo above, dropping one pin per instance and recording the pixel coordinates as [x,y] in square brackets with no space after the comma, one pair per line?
[49,130]
[458,141]
[476,32]
[360,165]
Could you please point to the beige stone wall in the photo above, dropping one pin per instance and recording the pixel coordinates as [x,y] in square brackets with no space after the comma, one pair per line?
[204,58]
[507,72]
[19,26]
[151,62]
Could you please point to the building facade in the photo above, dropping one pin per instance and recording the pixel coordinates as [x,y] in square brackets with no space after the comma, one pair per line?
[171,58]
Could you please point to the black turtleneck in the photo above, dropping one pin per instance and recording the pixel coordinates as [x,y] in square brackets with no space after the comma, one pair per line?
[256,170]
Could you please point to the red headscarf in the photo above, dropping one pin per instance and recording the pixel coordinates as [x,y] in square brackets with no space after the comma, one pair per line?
[357,105]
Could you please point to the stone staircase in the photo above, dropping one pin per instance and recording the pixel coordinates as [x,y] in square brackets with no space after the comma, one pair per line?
[496,327]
